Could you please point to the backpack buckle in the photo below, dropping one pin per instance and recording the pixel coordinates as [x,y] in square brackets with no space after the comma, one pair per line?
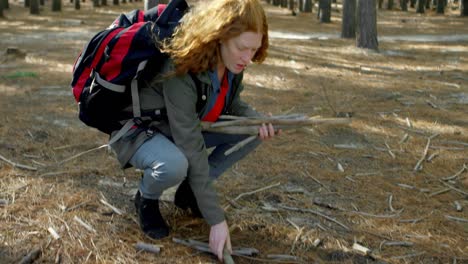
[138,121]
[149,132]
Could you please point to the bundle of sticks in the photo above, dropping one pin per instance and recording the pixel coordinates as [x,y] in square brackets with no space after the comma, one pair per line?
[249,125]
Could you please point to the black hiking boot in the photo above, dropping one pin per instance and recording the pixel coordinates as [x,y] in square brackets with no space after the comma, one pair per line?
[184,199]
[149,217]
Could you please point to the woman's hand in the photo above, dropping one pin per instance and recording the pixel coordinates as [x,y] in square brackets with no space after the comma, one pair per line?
[267,131]
[219,238]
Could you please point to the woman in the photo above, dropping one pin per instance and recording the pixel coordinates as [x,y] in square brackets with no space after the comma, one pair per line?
[210,49]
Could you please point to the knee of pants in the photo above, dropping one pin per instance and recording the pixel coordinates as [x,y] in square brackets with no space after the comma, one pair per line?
[171,172]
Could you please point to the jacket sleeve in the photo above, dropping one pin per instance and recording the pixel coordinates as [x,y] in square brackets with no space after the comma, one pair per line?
[238,106]
[180,97]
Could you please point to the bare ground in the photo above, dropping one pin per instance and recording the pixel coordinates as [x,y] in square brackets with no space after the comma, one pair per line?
[409,96]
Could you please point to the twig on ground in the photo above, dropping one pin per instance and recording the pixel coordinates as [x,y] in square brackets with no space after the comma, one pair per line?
[17,165]
[390,199]
[113,208]
[252,192]
[432,156]
[395,243]
[418,164]
[458,206]
[454,188]
[463,169]
[456,219]
[389,150]
[439,192]
[408,122]
[361,249]
[240,145]
[80,154]
[404,138]
[317,181]
[316,213]
[54,233]
[377,216]
[282,257]
[85,225]
[140,246]
[204,247]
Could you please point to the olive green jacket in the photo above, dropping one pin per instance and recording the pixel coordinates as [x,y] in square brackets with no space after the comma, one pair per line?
[178,95]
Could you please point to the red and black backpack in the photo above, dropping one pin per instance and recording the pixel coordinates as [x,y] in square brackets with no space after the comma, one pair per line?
[108,70]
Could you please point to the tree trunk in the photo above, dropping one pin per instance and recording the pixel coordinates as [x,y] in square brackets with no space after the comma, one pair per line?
[56,5]
[412,3]
[26,3]
[440,6]
[463,7]
[104,2]
[96,3]
[300,3]
[33,7]
[276,2]
[150,4]
[380,4]
[124,1]
[428,4]
[77,5]
[115,2]
[390,4]
[284,3]
[292,7]
[348,22]
[325,11]
[307,8]
[6,5]
[367,25]
[404,5]
[420,8]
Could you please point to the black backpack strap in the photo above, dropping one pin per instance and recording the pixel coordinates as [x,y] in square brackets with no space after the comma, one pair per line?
[201,93]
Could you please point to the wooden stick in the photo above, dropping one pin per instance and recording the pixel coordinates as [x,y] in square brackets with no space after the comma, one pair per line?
[279,121]
[390,151]
[116,210]
[81,154]
[204,247]
[361,249]
[317,181]
[453,188]
[17,165]
[256,191]
[315,213]
[458,206]
[456,174]
[85,225]
[376,216]
[54,233]
[457,219]
[282,257]
[240,145]
[439,192]
[390,199]
[418,165]
[140,246]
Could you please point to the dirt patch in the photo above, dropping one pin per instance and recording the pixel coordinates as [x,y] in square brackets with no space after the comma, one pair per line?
[338,185]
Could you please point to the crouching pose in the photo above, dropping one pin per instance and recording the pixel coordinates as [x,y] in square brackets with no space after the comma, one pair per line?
[209,51]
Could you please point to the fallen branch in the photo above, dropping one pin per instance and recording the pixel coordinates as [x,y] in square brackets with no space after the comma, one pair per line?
[204,247]
[377,216]
[250,126]
[458,206]
[140,246]
[282,257]
[116,210]
[426,149]
[85,225]
[256,191]
[315,213]
[463,169]
[81,154]
[54,233]
[456,219]
[361,249]
[395,243]
[439,192]
[17,165]
[454,188]
[240,145]
[390,199]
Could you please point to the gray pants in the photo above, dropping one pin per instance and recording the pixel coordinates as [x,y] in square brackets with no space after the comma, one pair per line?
[164,165]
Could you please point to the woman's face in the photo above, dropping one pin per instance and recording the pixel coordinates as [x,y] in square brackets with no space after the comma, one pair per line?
[237,52]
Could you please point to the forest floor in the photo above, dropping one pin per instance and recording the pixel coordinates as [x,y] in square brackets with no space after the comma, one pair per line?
[352,184]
